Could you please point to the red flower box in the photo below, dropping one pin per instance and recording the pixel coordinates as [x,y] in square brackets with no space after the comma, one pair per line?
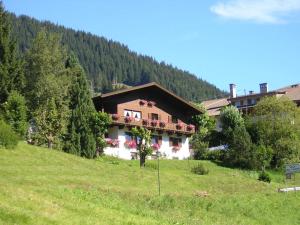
[155,147]
[151,103]
[179,126]
[115,116]
[153,123]
[143,102]
[190,127]
[112,142]
[130,144]
[128,119]
[162,124]
[145,122]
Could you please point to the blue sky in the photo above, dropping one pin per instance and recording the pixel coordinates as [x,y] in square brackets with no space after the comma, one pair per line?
[245,42]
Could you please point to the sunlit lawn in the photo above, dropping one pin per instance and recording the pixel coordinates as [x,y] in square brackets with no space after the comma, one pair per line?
[41,186]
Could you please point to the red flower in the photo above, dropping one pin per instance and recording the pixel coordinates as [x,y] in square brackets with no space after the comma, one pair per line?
[143,102]
[190,127]
[108,141]
[179,126]
[115,116]
[154,123]
[151,103]
[130,144]
[145,122]
[112,142]
[155,146]
[162,124]
[128,119]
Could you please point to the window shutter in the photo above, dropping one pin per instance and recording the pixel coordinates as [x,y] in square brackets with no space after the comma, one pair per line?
[180,142]
[159,117]
[170,142]
[159,140]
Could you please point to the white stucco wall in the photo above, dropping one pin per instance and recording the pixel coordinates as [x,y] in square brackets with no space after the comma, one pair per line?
[166,150]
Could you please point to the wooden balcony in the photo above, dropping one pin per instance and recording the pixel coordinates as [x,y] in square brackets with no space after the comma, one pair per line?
[171,128]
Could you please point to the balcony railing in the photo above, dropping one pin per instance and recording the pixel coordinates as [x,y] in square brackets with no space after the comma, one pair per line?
[179,128]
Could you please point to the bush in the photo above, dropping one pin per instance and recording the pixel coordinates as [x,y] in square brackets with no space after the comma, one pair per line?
[215,155]
[8,139]
[264,176]
[199,169]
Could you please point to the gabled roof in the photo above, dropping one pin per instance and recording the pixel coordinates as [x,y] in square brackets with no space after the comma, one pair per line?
[148,85]
[215,103]
[214,106]
[292,92]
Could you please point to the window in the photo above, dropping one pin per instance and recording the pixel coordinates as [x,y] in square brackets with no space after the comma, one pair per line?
[135,114]
[127,113]
[154,116]
[155,139]
[175,142]
[174,119]
[242,102]
[128,136]
[249,101]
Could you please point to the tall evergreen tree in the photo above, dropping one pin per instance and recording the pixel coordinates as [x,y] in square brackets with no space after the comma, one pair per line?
[48,121]
[47,87]
[105,61]
[45,71]
[80,139]
[16,113]
[11,71]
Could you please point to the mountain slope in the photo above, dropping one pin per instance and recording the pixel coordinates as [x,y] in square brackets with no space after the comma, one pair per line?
[42,186]
[107,61]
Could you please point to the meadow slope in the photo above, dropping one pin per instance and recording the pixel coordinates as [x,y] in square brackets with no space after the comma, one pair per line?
[41,186]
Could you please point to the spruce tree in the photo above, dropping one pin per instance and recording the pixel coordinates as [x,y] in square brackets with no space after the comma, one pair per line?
[16,113]
[47,88]
[80,139]
[11,71]
[48,122]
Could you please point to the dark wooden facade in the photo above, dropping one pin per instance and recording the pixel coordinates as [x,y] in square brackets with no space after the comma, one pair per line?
[153,103]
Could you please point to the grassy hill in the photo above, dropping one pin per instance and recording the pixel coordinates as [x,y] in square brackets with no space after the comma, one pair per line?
[41,186]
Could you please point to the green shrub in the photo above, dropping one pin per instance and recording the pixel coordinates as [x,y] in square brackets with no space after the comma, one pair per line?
[8,139]
[264,176]
[199,169]
[215,155]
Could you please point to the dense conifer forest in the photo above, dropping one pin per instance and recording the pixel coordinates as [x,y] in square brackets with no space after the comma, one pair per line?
[107,62]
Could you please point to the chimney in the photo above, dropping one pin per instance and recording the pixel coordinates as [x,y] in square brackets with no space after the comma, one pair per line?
[263,87]
[251,92]
[232,90]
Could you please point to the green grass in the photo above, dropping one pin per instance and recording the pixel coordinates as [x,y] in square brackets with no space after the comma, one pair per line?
[41,186]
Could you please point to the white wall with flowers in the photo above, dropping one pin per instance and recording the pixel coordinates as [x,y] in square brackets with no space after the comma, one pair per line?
[119,146]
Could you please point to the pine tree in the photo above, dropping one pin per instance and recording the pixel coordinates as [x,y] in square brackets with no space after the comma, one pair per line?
[45,71]
[11,71]
[80,139]
[47,88]
[48,121]
[16,113]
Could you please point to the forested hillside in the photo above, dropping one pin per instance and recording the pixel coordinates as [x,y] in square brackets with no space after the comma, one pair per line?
[106,61]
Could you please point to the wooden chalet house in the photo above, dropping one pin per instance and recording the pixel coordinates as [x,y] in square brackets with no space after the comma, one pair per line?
[153,107]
